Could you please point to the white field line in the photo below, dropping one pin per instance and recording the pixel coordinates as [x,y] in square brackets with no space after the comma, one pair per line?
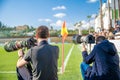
[14,72]
[7,72]
[66,59]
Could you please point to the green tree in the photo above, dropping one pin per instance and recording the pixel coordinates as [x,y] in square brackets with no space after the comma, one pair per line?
[0,24]
[119,8]
[51,28]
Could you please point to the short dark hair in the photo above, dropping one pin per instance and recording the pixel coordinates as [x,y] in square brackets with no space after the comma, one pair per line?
[100,38]
[42,32]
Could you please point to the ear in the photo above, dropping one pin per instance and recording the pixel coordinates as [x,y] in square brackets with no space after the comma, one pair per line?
[36,36]
[48,35]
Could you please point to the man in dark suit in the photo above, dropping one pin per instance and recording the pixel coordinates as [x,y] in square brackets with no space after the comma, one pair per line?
[43,57]
[105,61]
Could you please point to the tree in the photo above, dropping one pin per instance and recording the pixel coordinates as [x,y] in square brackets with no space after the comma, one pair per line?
[101,17]
[114,12]
[0,24]
[32,28]
[78,25]
[89,17]
[119,8]
[51,28]
[109,17]
[3,27]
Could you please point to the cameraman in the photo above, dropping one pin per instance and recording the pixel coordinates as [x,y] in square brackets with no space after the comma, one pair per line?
[105,61]
[43,57]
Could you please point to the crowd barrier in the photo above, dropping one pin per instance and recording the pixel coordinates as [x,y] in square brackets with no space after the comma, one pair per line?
[117,44]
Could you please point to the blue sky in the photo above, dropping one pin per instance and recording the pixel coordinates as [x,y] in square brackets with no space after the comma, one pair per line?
[46,12]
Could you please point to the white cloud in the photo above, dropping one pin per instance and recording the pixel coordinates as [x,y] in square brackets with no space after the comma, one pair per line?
[91,1]
[59,15]
[83,22]
[58,23]
[59,8]
[45,20]
[92,22]
[70,26]
[93,15]
[86,24]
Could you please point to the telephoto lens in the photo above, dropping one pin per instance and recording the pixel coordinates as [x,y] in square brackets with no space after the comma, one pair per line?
[78,39]
[15,45]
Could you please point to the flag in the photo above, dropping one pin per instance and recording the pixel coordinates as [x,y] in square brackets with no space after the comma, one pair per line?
[64,31]
[64,34]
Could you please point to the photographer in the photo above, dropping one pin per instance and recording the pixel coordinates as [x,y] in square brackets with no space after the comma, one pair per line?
[105,61]
[43,57]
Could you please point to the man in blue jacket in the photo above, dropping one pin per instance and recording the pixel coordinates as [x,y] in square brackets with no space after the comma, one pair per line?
[105,61]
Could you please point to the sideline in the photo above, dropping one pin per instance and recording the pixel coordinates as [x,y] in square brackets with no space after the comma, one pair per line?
[66,60]
[7,72]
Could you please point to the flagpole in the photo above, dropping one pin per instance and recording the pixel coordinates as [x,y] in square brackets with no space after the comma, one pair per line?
[62,55]
[64,34]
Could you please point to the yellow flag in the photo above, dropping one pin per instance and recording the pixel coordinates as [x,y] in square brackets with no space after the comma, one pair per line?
[64,31]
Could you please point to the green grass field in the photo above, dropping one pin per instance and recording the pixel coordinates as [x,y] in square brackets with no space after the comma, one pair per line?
[72,71]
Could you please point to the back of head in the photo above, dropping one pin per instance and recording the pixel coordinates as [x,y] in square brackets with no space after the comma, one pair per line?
[42,32]
[100,39]
[106,46]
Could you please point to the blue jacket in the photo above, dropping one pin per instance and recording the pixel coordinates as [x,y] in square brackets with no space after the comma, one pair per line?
[105,62]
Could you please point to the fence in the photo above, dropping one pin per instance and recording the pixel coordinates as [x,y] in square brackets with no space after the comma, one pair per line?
[117,44]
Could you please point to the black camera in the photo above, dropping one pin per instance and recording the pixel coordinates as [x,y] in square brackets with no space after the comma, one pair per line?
[15,45]
[118,22]
[78,39]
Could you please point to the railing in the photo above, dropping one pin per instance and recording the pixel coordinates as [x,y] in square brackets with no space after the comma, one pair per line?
[116,43]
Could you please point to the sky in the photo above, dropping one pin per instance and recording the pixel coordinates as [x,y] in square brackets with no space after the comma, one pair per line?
[47,12]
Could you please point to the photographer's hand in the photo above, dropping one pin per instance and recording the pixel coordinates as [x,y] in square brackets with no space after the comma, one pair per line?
[83,47]
[20,53]
[21,62]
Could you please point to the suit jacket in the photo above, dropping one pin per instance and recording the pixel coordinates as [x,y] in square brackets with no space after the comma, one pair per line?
[44,59]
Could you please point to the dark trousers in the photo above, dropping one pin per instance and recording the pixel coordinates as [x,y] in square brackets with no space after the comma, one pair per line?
[24,73]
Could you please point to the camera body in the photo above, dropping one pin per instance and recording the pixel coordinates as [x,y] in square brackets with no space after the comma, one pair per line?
[78,39]
[15,45]
[118,22]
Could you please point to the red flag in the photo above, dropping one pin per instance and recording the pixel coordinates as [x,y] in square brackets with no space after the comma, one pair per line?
[64,31]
